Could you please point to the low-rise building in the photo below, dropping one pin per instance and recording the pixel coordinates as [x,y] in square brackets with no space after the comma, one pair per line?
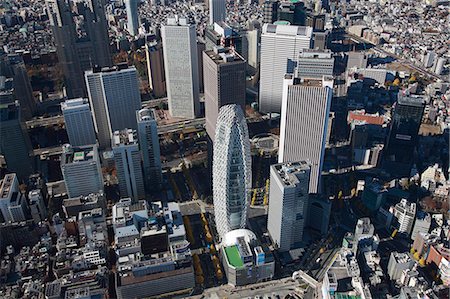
[244,259]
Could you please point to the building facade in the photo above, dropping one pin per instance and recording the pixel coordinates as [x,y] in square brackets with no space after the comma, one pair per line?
[280,45]
[155,68]
[304,123]
[405,213]
[403,134]
[15,144]
[128,164]
[224,73]
[181,68]
[132,16]
[114,98]
[217,11]
[288,203]
[149,146]
[231,169]
[81,170]
[78,120]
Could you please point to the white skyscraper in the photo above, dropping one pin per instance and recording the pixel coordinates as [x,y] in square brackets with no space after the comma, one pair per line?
[405,213]
[304,123]
[288,203]
[231,170]
[149,145]
[80,167]
[280,46]
[132,16]
[181,67]
[217,11]
[128,164]
[78,120]
[114,98]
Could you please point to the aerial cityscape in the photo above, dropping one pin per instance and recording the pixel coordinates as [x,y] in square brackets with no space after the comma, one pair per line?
[263,149]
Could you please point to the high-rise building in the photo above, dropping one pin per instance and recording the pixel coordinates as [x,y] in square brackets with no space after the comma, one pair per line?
[181,67]
[280,45]
[314,64]
[231,170]
[288,203]
[80,167]
[9,188]
[132,16]
[114,98]
[217,11]
[224,73]
[403,134]
[128,164]
[79,48]
[78,120]
[271,11]
[405,213]
[15,144]
[149,145]
[155,68]
[13,66]
[253,38]
[304,123]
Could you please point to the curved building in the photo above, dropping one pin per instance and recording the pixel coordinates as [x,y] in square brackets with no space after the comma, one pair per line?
[231,169]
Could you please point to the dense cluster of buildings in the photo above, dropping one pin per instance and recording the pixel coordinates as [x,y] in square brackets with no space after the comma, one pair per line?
[358,196]
[414,32]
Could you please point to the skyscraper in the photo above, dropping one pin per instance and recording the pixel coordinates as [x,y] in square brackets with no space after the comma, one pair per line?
[114,98]
[181,67]
[288,203]
[79,46]
[304,122]
[155,68]
[217,11]
[12,66]
[149,146]
[231,170]
[280,45]
[271,11]
[224,73]
[80,167]
[132,16]
[15,144]
[403,134]
[78,120]
[8,186]
[128,164]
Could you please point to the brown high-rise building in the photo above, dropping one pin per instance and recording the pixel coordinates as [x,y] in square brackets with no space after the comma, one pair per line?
[155,68]
[224,75]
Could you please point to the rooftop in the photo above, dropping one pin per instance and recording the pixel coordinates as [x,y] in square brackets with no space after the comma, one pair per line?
[8,185]
[287,172]
[78,154]
[221,55]
[124,137]
[233,256]
[146,115]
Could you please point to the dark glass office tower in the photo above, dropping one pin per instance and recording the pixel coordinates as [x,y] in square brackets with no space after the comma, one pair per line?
[80,47]
[403,134]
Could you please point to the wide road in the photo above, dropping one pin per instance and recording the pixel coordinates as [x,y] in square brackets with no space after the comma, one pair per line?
[175,127]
